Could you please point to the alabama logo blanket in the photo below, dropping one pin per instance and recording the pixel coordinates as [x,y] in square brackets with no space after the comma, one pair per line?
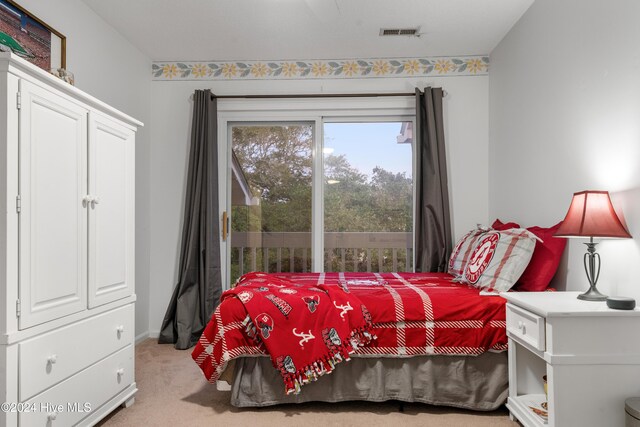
[306,330]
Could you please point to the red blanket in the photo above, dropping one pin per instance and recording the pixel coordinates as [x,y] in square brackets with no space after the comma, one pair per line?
[412,314]
[306,329]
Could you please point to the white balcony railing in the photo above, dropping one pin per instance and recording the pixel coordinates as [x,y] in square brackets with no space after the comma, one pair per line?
[346,251]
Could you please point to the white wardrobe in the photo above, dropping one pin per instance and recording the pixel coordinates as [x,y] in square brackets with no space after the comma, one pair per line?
[66,251]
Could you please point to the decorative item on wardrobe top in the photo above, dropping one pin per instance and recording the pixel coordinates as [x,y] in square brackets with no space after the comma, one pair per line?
[24,34]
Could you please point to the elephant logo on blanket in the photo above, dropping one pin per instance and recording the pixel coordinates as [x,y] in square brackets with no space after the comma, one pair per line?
[245,296]
[365,314]
[311,302]
[343,286]
[264,323]
[331,338]
[285,364]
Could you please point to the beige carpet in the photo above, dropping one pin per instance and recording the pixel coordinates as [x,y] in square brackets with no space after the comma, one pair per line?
[173,392]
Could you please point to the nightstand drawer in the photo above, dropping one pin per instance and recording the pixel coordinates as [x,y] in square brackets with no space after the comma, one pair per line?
[524,326]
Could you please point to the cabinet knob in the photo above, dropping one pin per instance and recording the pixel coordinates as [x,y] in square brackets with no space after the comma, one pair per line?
[52,359]
[120,329]
[120,372]
[52,416]
[86,200]
[94,202]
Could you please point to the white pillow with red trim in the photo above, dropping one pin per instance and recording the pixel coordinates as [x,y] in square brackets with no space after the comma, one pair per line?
[462,251]
[499,259]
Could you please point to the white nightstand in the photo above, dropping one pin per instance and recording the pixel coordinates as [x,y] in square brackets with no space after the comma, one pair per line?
[589,353]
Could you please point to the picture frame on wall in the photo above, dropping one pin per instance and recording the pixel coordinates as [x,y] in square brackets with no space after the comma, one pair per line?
[30,38]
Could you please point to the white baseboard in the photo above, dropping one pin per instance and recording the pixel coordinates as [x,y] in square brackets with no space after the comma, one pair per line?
[141,337]
[154,334]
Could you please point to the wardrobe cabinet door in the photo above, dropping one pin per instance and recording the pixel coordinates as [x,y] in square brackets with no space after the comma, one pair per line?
[111,211]
[53,220]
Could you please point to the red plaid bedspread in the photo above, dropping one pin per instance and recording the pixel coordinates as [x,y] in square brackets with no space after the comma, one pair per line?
[412,314]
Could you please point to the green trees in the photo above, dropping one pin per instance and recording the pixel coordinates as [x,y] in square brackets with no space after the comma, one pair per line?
[276,161]
[356,202]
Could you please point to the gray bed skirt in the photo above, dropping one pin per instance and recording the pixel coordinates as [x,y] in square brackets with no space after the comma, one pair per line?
[478,383]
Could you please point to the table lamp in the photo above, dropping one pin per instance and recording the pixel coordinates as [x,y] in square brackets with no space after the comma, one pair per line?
[591,214]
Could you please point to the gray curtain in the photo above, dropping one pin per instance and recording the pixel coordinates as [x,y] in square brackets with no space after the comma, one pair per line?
[199,286]
[433,220]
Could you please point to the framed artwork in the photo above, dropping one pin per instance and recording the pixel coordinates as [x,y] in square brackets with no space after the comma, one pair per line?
[30,38]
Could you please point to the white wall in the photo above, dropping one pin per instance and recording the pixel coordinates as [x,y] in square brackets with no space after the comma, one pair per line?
[466,116]
[110,68]
[565,117]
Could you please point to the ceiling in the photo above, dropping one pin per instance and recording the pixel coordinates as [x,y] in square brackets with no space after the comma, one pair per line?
[199,30]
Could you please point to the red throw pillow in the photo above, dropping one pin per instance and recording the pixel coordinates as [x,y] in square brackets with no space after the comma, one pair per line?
[545,260]
[500,226]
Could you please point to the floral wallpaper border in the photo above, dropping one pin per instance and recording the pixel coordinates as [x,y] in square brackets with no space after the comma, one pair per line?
[321,69]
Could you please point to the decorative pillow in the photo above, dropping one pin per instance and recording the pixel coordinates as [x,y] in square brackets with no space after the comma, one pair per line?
[462,251]
[500,226]
[499,259]
[545,260]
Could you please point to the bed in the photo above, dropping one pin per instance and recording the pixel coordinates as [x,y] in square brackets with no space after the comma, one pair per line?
[437,341]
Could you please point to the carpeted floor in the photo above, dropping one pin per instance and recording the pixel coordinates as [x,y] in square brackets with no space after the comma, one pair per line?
[173,392]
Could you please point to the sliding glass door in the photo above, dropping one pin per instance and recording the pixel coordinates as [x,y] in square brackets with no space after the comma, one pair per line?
[271,183]
[368,196]
[354,203]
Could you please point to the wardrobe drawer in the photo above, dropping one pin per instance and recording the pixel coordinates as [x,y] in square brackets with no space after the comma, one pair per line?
[524,326]
[50,358]
[75,398]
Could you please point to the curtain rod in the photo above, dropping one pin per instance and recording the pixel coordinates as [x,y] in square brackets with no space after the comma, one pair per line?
[320,95]
[316,95]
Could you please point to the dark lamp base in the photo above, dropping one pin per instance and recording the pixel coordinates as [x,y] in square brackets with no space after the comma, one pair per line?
[592,295]
[592,268]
